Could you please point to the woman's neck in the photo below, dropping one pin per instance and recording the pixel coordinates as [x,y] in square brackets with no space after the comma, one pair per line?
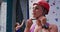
[39,25]
[40,17]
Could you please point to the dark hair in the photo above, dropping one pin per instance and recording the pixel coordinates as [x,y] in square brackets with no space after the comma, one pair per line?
[45,12]
[15,25]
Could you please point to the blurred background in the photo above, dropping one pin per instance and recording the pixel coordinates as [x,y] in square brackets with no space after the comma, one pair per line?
[12,11]
[3,14]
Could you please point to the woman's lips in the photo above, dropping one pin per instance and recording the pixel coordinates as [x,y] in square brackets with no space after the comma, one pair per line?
[34,13]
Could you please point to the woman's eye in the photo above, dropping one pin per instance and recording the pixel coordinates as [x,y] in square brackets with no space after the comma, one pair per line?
[36,8]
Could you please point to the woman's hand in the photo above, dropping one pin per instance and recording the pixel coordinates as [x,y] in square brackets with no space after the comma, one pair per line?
[29,23]
[45,30]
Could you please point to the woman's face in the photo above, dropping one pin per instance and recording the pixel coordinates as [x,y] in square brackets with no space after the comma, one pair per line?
[37,11]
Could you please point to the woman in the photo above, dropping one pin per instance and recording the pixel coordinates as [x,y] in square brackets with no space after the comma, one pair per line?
[18,26]
[40,9]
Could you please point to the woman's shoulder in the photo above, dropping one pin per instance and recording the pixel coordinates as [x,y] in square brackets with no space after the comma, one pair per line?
[53,26]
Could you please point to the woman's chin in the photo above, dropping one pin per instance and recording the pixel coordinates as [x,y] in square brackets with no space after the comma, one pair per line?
[34,16]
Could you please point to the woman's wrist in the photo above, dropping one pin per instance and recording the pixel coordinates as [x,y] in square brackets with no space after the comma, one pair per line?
[27,29]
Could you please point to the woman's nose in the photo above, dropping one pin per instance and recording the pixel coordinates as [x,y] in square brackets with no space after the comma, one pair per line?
[33,11]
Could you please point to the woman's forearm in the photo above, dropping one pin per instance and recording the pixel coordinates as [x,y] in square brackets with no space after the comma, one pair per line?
[27,30]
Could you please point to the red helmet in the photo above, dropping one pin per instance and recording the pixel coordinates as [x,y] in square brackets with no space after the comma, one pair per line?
[44,4]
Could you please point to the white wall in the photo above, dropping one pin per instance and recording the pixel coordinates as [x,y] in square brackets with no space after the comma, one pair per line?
[3,16]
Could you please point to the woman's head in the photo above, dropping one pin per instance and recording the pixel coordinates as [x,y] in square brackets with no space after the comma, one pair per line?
[40,9]
[17,24]
[37,11]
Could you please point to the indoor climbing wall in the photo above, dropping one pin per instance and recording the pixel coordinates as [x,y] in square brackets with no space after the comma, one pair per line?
[54,12]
